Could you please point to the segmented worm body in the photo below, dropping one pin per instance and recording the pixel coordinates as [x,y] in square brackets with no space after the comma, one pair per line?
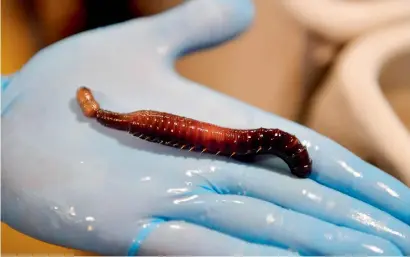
[193,135]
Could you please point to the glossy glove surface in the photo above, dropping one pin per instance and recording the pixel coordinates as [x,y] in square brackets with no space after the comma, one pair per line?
[69,181]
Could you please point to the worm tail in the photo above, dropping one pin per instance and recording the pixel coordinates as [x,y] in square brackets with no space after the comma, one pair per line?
[90,108]
[88,104]
[300,163]
[295,154]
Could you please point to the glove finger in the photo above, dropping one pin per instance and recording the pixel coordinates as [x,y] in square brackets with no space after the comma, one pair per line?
[181,238]
[197,24]
[261,222]
[308,197]
[336,167]
[341,170]
[201,24]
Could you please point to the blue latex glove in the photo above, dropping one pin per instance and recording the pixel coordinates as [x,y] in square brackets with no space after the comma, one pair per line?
[70,181]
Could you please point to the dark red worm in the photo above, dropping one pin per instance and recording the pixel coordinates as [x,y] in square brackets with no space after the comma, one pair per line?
[186,133]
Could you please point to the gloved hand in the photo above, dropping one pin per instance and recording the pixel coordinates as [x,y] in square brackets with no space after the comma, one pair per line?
[72,182]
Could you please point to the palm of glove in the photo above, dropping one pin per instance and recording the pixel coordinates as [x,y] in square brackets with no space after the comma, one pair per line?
[67,180]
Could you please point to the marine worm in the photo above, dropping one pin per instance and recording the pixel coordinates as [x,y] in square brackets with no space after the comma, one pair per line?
[193,135]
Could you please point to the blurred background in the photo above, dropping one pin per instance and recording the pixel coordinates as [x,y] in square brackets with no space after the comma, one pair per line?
[279,65]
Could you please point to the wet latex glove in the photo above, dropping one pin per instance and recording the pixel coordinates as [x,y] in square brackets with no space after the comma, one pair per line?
[72,182]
